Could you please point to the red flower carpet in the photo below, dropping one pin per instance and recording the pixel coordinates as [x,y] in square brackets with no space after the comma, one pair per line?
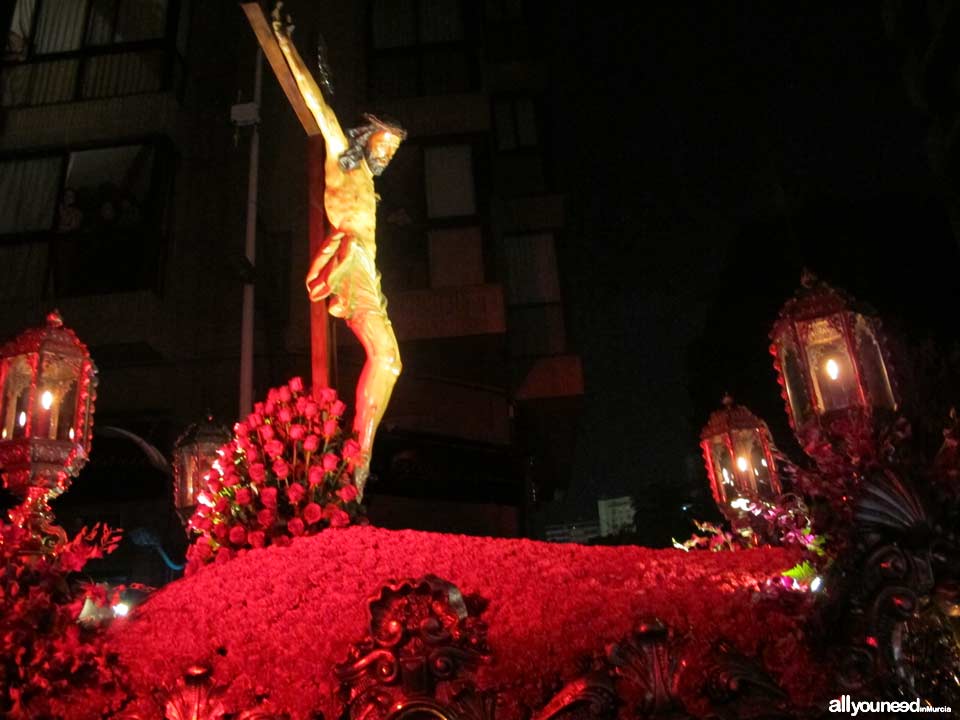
[274,622]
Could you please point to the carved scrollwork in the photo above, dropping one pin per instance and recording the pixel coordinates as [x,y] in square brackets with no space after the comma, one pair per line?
[591,698]
[644,662]
[740,684]
[422,634]
[195,697]
[899,640]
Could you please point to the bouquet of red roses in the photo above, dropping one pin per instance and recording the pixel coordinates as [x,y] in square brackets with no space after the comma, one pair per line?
[287,472]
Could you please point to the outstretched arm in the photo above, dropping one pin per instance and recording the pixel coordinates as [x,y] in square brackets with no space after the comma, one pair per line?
[329,125]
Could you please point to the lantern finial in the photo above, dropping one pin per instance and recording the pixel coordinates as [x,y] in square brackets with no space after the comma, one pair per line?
[54,319]
[727,400]
[808,278]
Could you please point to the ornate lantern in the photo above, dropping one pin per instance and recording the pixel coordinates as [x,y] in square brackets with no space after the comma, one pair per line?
[737,450]
[193,455]
[49,385]
[830,359]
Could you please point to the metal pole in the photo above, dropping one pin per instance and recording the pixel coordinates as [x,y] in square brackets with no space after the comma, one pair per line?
[250,247]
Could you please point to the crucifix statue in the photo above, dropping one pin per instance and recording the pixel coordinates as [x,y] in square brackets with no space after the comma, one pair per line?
[343,267]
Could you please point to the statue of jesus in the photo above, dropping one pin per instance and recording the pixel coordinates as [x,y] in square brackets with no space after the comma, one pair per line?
[344,268]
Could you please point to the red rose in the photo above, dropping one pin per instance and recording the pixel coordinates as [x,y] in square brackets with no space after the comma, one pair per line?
[327,395]
[244,496]
[222,504]
[203,548]
[274,448]
[348,493]
[266,517]
[241,429]
[253,454]
[257,472]
[283,392]
[224,555]
[312,513]
[296,384]
[310,409]
[266,433]
[295,527]
[297,432]
[214,485]
[295,493]
[257,538]
[238,535]
[311,443]
[285,415]
[219,531]
[330,462]
[268,496]
[230,478]
[351,450]
[270,407]
[338,518]
[254,419]
[338,408]
[301,404]
[315,476]
[280,468]
[258,408]
[329,428]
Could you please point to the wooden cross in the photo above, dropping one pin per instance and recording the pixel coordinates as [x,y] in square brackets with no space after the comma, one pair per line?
[316,155]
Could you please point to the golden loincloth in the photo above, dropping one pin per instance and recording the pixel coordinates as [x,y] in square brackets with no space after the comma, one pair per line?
[350,277]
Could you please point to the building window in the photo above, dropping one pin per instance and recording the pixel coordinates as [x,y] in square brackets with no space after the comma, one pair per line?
[531,269]
[506,30]
[515,123]
[85,221]
[430,221]
[535,316]
[420,48]
[448,173]
[66,50]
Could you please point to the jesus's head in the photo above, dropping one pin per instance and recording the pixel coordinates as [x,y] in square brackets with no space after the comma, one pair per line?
[376,142]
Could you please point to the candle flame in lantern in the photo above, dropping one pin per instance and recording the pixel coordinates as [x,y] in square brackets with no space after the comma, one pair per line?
[833,369]
[72,434]
[46,400]
[22,419]
[742,464]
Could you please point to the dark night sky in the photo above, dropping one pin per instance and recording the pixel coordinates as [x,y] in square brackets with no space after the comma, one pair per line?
[713,150]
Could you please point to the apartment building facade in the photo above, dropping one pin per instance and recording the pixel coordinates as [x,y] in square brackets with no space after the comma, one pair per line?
[123,198]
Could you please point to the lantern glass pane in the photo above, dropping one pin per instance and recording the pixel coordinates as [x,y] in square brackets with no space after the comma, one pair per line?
[753,475]
[723,468]
[873,369]
[55,399]
[795,381]
[833,374]
[17,377]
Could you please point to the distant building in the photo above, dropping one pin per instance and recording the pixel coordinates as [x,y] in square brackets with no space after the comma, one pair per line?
[579,531]
[615,514]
